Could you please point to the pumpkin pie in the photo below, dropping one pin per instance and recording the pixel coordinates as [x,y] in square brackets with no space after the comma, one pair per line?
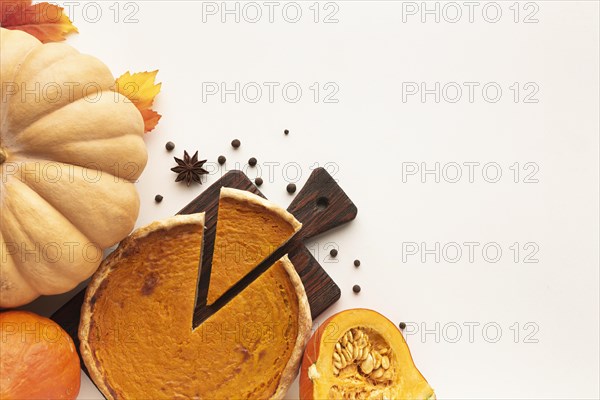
[137,335]
[236,251]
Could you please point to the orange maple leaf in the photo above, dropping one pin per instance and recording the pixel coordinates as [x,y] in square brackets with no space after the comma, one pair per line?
[141,89]
[47,22]
[151,119]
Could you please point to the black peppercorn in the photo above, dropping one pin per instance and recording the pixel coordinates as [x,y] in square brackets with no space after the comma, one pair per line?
[158,198]
[291,188]
[357,263]
[258,181]
[221,160]
[252,162]
[356,289]
[333,252]
[235,143]
[170,146]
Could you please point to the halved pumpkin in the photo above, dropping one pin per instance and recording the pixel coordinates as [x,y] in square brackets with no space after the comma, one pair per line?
[360,354]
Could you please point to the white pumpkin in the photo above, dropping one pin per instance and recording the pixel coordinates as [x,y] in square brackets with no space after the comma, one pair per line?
[70,150]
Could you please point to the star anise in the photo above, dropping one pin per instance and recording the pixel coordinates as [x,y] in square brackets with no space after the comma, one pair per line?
[189,169]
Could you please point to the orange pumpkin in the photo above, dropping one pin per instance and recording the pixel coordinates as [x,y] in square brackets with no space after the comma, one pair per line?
[38,358]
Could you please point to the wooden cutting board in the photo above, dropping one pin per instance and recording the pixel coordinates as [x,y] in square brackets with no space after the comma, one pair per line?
[321,205]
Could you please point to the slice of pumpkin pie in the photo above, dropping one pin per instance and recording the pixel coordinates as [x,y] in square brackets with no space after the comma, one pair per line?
[249,229]
[136,332]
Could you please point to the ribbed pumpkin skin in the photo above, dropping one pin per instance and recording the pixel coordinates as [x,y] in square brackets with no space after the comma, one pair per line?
[70,150]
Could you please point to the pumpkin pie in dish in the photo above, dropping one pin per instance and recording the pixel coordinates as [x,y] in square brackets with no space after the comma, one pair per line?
[249,229]
[137,335]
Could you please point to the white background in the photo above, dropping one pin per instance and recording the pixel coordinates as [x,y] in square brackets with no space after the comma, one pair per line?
[371,135]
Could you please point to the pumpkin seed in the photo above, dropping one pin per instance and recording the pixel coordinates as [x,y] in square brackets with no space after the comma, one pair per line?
[343,362]
[350,348]
[378,373]
[348,356]
[366,352]
[385,362]
[367,365]
[377,359]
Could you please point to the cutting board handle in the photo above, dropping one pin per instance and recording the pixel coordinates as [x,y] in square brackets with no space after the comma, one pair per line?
[321,205]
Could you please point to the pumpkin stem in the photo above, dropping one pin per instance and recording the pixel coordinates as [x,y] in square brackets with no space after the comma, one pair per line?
[2,156]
